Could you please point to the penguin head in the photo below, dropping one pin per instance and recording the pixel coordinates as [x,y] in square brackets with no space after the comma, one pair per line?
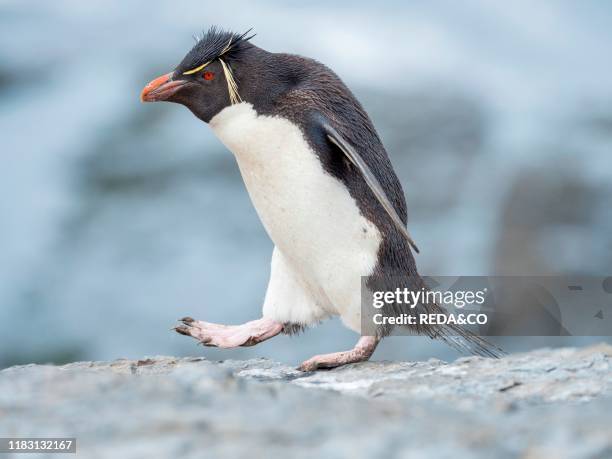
[205,81]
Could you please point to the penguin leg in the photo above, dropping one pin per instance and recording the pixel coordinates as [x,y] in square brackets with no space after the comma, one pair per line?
[227,336]
[362,351]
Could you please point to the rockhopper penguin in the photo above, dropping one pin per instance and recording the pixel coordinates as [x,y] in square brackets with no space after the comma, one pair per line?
[321,182]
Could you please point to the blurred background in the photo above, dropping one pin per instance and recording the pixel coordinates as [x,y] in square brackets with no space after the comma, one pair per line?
[117,218]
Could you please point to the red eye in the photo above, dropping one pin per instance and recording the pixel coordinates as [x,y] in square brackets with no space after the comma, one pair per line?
[208,75]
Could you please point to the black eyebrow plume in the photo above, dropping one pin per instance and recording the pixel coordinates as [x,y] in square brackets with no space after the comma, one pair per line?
[214,44]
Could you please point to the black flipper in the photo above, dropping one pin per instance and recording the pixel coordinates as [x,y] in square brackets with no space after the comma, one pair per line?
[370,180]
[454,335]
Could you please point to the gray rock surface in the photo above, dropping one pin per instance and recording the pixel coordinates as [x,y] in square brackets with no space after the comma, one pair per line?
[546,403]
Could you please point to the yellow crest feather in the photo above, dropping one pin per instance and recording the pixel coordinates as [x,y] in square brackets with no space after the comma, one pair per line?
[197,69]
[232,87]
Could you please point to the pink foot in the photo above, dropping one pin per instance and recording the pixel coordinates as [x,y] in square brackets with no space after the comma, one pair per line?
[362,351]
[227,336]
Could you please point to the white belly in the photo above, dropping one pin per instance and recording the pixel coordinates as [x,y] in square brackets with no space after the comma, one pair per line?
[309,215]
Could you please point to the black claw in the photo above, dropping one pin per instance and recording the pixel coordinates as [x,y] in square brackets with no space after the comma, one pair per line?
[206,342]
[182,330]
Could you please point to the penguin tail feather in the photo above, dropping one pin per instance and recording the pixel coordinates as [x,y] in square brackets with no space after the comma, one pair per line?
[459,337]
[467,342]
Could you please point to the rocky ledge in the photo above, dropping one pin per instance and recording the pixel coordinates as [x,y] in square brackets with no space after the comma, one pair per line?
[545,403]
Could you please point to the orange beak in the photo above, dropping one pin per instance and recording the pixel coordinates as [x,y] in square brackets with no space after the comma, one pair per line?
[161,88]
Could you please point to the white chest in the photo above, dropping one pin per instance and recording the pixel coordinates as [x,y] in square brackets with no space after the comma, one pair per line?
[308,214]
